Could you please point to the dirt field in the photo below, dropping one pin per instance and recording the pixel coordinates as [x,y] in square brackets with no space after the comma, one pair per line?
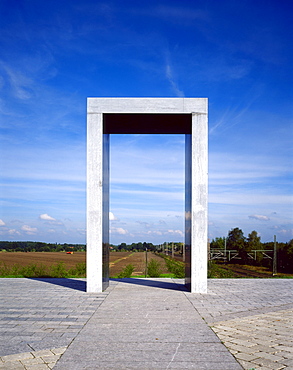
[44,258]
[138,260]
[118,260]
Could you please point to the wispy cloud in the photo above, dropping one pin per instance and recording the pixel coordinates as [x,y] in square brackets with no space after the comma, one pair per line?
[228,169]
[14,232]
[173,83]
[29,230]
[259,217]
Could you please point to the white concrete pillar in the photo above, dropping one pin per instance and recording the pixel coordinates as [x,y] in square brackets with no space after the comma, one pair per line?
[97,260]
[199,203]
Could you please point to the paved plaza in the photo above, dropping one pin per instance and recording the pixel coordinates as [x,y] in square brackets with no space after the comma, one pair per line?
[146,324]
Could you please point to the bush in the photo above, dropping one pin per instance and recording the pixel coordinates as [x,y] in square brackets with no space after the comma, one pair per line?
[126,272]
[154,268]
[215,271]
[79,270]
[34,271]
[59,270]
[41,271]
[177,268]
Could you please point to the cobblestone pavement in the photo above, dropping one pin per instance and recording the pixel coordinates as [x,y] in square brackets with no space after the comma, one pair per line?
[261,341]
[253,318]
[39,360]
[40,319]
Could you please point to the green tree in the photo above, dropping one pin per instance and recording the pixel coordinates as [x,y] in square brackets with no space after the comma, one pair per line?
[285,257]
[218,243]
[236,240]
[253,241]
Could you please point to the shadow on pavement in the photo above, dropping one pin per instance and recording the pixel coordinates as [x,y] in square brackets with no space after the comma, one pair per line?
[80,285]
[156,283]
[64,282]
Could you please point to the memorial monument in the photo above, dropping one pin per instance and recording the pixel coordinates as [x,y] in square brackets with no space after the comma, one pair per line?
[106,116]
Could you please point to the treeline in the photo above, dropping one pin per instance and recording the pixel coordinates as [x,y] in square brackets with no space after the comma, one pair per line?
[140,247]
[123,247]
[40,247]
[245,245]
[29,246]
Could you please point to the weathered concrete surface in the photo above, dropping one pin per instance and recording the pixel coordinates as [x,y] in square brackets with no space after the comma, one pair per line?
[196,169]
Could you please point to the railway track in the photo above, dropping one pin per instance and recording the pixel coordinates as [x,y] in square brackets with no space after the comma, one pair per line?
[245,273]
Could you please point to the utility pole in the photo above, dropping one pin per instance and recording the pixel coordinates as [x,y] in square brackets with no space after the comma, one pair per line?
[209,250]
[183,247]
[172,250]
[225,250]
[146,262]
[275,257]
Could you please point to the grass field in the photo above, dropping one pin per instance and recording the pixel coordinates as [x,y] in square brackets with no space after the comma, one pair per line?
[118,261]
[60,264]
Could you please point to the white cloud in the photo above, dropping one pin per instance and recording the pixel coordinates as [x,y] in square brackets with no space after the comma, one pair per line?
[13,232]
[119,230]
[46,217]
[288,233]
[154,233]
[259,217]
[176,232]
[29,230]
[112,217]
[50,220]
[2,223]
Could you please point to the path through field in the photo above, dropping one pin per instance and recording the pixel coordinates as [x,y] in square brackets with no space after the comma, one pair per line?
[118,260]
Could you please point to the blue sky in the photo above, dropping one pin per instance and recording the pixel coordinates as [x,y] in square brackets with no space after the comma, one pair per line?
[55,54]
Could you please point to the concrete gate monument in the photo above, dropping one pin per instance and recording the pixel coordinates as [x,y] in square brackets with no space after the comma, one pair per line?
[186,116]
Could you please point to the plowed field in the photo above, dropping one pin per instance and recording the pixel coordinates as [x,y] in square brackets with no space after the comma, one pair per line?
[138,260]
[44,258]
[118,260]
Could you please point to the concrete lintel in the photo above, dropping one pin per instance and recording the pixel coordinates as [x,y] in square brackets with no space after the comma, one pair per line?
[147,105]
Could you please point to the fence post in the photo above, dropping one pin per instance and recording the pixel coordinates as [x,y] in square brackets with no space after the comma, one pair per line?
[146,262]
[275,257]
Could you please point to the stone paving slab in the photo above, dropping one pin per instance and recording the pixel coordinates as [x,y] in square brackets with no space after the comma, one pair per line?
[39,318]
[45,359]
[154,327]
[255,340]
[146,324]
[253,318]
